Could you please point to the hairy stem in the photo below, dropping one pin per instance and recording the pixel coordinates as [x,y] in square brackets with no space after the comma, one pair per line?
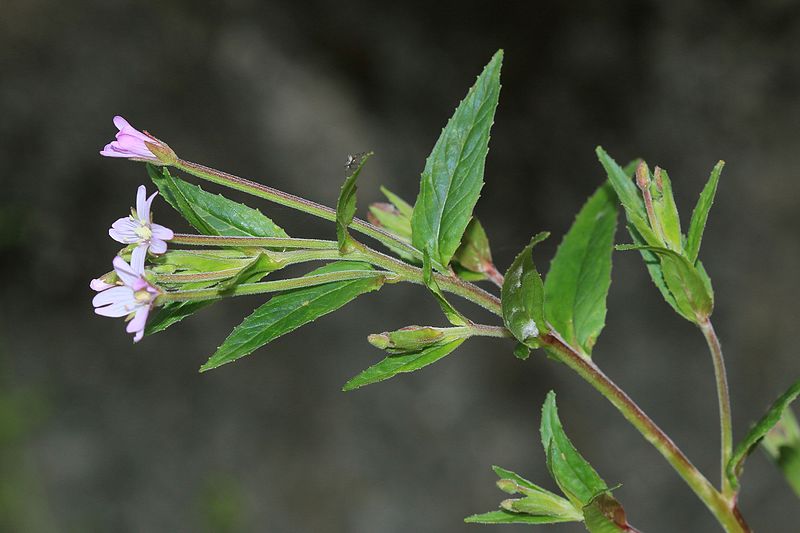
[263,287]
[295,202]
[723,510]
[244,242]
[724,399]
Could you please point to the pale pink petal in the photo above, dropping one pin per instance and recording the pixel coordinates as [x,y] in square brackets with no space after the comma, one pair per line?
[125,271]
[137,324]
[109,151]
[115,302]
[124,231]
[161,232]
[157,246]
[141,202]
[121,123]
[138,256]
[98,285]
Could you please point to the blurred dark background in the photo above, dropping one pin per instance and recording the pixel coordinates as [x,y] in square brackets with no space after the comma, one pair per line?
[97,434]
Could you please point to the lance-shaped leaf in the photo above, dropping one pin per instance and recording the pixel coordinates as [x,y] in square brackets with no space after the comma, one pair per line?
[782,444]
[346,205]
[577,284]
[577,479]
[453,176]
[689,286]
[452,314]
[758,431]
[290,310]
[212,214]
[629,195]
[401,363]
[522,297]
[604,514]
[507,517]
[474,253]
[700,214]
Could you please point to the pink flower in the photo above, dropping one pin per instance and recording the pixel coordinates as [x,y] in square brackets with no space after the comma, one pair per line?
[133,298]
[138,146]
[138,228]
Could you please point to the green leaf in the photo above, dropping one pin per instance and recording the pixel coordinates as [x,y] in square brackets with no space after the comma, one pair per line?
[453,176]
[522,297]
[577,284]
[691,291]
[172,313]
[452,314]
[700,214]
[474,253]
[666,211]
[653,265]
[629,195]
[396,364]
[346,205]
[212,214]
[604,514]
[758,431]
[577,479]
[782,444]
[253,271]
[290,310]
[506,517]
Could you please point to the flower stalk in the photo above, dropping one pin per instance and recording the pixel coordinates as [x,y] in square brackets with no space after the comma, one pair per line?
[724,400]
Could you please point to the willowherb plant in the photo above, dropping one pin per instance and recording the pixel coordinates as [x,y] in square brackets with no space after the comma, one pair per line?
[437,242]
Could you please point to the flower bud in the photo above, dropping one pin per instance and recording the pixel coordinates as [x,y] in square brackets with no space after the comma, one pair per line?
[415,338]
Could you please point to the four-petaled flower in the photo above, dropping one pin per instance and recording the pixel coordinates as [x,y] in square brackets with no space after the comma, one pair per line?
[138,146]
[139,229]
[133,298]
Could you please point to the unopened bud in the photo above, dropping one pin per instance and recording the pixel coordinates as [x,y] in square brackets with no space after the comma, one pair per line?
[506,485]
[379,340]
[642,176]
[659,181]
[508,505]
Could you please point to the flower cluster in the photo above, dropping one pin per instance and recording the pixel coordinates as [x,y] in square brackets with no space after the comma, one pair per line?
[125,292]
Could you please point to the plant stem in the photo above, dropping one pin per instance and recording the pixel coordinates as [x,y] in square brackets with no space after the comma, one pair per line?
[243,242]
[263,287]
[723,397]
[295,202]
[724,511]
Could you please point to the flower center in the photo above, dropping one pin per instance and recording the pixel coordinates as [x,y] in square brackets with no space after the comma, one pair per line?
[143,296]
[144,232]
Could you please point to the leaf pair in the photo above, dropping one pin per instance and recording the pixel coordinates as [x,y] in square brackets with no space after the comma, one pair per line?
[654,225]
[588,498]
[572,299]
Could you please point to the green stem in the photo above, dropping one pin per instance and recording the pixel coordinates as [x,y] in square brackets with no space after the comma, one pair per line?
[295,202]
[483,330]
[242,242]
[724,511]
[244,289]
[450,283]
[724,400]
